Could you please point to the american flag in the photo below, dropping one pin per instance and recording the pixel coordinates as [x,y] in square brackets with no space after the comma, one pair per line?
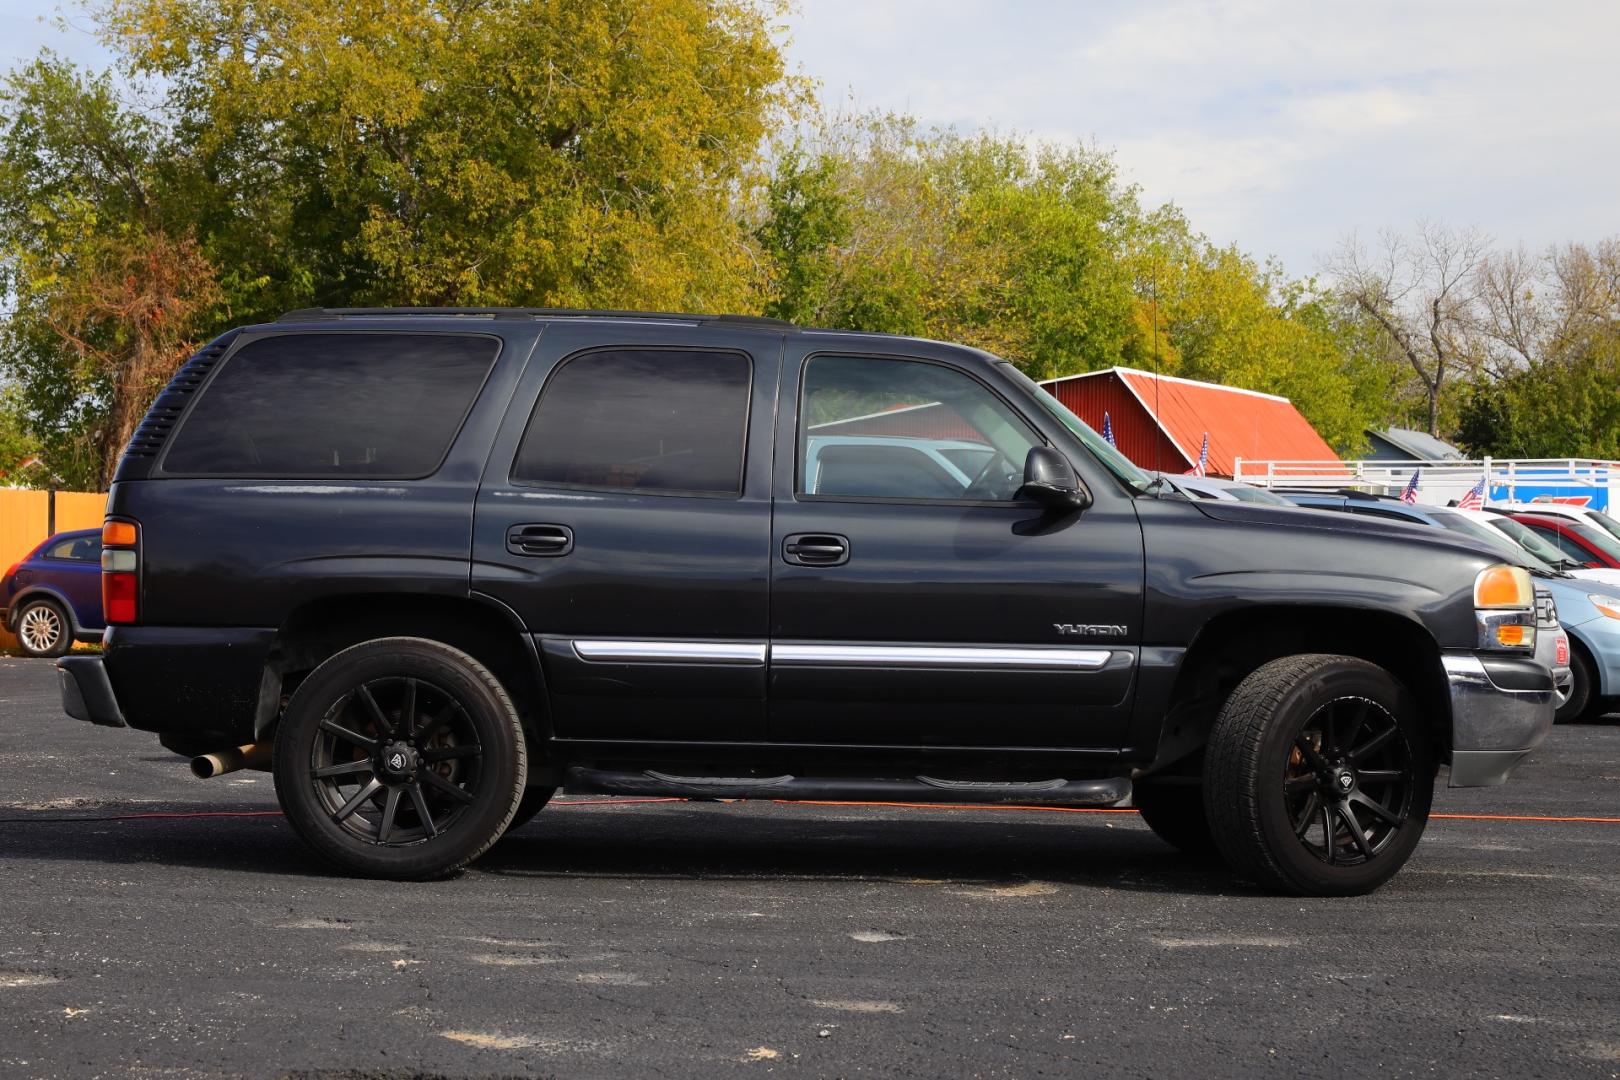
[1475,499]
[1108,429]
[1202,468]
[1410,494]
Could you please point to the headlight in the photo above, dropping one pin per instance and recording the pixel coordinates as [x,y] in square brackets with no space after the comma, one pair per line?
[1608,605]
[1504,607]
[1504,587]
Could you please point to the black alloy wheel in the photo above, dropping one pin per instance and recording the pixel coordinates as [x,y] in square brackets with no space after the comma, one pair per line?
[1318,776]
[1349,781]
[400,758]
[396,761]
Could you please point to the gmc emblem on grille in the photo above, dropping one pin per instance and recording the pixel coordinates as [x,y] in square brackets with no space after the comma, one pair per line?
[1069,629]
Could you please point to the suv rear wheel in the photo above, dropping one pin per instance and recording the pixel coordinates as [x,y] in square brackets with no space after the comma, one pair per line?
[1318,776]
[400,758]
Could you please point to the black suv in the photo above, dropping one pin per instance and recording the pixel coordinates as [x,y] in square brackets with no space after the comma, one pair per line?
[429,566]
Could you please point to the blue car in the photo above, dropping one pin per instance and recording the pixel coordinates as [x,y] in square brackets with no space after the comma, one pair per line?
[1586,610]
[52,597]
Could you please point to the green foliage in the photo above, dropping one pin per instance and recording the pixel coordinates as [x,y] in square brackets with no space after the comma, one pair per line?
[1548,410]
[878,226]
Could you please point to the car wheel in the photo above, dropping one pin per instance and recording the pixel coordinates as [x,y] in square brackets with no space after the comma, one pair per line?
[400,758]
[1579,702]
[534,800]
[1176,814]
[1318,776]
[43,629]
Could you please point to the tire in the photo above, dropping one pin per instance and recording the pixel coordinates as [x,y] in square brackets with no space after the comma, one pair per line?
[534,800]
[406,799]
[1579,703]
[1318,745]
[1176,814]
[43,629]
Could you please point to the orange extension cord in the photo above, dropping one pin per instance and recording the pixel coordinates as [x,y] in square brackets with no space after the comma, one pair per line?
[604,803]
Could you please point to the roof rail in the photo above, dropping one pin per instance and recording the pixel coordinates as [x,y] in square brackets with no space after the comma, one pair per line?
[318,313]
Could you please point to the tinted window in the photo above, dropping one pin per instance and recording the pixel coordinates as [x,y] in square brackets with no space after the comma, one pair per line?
[882,470]
[1565,544]
[664,420]
[881,428]
[79,549]
[351,405]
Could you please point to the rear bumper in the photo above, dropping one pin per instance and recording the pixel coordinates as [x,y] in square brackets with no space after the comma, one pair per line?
[199,682]
[1501,709]
[87,693]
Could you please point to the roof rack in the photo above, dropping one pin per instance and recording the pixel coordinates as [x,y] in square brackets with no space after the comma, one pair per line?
[318,313]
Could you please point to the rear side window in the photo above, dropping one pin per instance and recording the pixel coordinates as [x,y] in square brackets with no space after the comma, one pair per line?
[79,549]
[671,421]
[345,406]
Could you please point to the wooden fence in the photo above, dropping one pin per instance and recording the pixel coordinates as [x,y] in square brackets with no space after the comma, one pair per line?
[27,517]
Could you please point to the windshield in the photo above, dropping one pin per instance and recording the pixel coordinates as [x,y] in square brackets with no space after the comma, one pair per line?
[1114,461]
[1596,537]
[1490,538]
[1604,522]
[1532,542]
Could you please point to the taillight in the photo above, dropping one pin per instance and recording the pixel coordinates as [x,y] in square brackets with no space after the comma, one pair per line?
[120,572]
[11,573]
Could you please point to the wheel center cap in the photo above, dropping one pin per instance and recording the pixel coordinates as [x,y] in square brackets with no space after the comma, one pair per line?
[1344,781]
[398,760]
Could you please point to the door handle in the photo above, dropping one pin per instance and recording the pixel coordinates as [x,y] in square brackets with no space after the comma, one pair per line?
[816,549]
[540,540]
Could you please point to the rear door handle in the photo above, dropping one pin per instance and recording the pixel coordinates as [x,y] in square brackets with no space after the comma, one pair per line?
[816,549]
[540,541]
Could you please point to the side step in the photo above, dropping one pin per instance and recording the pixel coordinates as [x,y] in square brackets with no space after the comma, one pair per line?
[579,780]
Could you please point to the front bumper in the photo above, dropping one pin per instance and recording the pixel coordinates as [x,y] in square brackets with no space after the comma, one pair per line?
[1501,709]
[87,693]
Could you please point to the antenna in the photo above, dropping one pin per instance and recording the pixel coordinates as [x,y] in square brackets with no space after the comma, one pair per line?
[1158,417]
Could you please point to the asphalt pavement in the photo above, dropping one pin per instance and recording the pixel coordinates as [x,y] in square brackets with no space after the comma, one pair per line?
[152,924]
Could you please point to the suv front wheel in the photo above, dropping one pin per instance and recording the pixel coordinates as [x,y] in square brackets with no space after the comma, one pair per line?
[400,758]
[1318,776]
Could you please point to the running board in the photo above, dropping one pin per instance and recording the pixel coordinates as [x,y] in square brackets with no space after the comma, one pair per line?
[921,789]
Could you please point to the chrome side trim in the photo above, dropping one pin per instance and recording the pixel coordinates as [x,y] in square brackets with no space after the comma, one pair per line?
[751,654]
[944,656]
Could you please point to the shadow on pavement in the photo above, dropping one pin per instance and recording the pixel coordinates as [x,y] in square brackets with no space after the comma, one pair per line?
[697,842]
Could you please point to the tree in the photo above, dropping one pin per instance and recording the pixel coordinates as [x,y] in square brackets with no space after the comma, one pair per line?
[1421,293]
[530,152]
[877,225]
[107,291]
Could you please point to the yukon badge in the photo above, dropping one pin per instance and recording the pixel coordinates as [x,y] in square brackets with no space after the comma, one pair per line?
[1090,629]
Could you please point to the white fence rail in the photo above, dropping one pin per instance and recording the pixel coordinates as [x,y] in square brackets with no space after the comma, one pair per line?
[1593,480]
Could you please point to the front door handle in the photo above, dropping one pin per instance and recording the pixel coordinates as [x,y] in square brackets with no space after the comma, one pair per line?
[540,541]
[816,549]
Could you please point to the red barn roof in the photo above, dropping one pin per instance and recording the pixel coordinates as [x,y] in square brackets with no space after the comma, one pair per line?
[1240,423]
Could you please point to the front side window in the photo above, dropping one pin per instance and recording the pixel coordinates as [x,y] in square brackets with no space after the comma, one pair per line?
[904,429]
[340,406]
[668,421]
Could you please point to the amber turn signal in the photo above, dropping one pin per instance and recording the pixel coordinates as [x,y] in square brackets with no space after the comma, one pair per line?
[118,534]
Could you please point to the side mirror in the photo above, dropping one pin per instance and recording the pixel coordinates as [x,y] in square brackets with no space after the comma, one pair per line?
[1049,479]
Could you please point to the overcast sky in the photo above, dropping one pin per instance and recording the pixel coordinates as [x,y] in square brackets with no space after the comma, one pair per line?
[1279,125]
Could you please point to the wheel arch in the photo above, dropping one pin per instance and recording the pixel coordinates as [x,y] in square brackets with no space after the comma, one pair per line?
[43,592]
[485,629]
[1237,642]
